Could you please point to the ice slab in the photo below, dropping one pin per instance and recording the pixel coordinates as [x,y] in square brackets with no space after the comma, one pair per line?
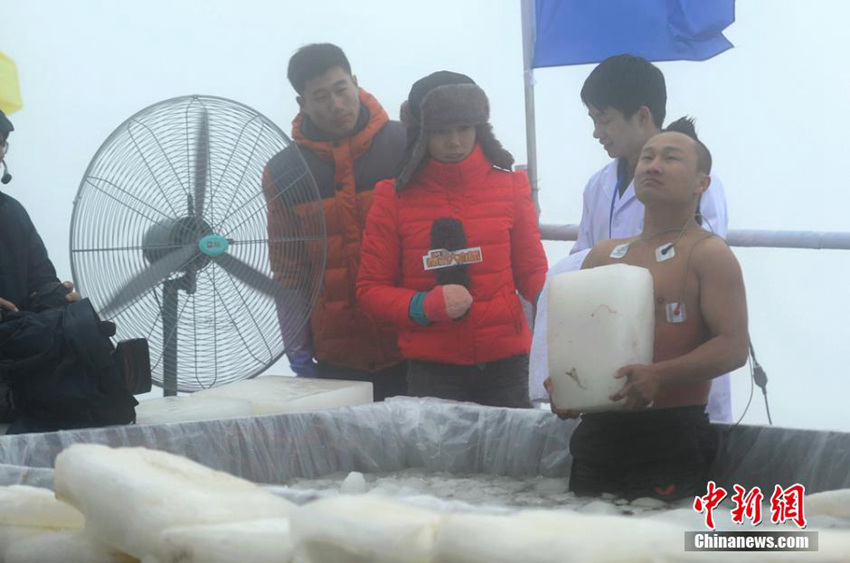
[553,537]
[256,541]
[11,534]
[63,547]
[190,408]
[260,396]
[364,529]
[281,395]
[129,496]
[829,503]
[599,320]
[21,505]
[354,484]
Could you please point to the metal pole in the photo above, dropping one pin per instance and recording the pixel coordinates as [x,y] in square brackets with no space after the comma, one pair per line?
[740,238]
[528,25]
[169,337]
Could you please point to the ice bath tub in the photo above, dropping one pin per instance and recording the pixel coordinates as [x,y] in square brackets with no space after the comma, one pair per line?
[430,434]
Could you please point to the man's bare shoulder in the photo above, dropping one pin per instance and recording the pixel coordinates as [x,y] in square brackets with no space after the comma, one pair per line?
[712,255]
[600,254]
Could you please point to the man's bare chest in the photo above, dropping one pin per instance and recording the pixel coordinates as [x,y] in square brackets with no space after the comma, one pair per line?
[675,284]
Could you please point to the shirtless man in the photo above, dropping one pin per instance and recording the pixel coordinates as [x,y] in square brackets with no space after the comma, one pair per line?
[662,444]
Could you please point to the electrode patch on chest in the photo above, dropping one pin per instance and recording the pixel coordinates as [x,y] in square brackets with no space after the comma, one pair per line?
[676,313]
[619,251]
[665,252]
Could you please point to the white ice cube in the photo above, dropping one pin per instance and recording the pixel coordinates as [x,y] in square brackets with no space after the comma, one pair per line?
[353,484]
[364,529]
[279,394]
[63,547]
[254,541]
[554,537]
[829,503]
[11,534]
[190,408]
[21,505]
[599,320]
[130,495]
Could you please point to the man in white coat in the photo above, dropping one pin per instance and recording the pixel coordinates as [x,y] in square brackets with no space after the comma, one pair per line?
[626,97]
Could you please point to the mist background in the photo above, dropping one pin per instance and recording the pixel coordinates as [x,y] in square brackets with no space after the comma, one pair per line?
[773,111]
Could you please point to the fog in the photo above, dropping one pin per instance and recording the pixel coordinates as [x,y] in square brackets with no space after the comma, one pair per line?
[772,110]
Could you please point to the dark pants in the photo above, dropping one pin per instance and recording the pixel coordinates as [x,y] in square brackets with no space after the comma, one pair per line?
[664,453]
[387,382]
[503,383]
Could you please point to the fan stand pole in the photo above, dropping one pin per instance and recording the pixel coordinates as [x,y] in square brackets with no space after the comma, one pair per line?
[169,340]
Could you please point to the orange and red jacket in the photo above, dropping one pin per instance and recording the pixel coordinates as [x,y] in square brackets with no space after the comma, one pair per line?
[498,216]
[346,172]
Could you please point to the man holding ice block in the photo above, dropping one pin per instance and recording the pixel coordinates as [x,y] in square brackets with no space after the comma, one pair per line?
[661,444]
[626,97]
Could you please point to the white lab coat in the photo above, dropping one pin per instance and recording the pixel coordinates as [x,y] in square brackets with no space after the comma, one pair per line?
[598,223]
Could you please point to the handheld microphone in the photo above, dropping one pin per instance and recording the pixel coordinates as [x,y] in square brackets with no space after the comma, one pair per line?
[6,176]
[448,233]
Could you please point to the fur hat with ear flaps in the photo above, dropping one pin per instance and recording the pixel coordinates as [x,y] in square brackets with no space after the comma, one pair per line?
[443,99]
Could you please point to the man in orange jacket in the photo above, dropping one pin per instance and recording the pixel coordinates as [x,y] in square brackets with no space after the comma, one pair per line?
[349,144]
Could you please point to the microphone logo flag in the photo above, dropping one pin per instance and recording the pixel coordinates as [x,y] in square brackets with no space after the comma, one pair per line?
[442,258]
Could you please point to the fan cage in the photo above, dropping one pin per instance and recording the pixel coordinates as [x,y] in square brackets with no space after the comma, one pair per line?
[144,179]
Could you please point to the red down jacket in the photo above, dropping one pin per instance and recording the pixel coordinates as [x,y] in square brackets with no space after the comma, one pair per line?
[496,210]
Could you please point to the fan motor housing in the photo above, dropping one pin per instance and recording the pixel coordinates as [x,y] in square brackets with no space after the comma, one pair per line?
[163,237]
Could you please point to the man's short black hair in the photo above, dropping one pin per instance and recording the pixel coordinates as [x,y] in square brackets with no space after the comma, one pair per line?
[687,126]
[314,60]
[625,83]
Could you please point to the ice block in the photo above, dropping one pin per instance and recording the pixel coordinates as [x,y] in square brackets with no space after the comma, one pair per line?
[364,529]
[129,496]
[553,537]
[280,394]
[829,503]
[11,534]
[599,320]
[190,408]
[260,396]
[21,505]
[255,541]
[63,547]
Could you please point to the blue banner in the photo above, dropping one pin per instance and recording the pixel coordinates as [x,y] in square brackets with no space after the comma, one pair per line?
[569,32]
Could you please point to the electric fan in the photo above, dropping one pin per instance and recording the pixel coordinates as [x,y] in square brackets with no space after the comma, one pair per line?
[198,226]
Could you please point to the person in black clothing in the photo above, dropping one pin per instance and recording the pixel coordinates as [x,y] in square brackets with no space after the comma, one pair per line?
[25,267]
[26,272]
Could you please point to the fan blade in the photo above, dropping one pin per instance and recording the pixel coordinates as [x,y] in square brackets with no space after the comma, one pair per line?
[157,272]
[202,164]
[251,277]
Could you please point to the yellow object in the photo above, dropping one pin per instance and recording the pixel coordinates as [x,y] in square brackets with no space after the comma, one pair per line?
[10,90]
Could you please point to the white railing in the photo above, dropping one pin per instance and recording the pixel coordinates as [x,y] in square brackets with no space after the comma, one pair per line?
[766,239]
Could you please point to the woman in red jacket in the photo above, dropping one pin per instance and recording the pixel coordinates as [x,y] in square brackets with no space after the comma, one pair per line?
[447,246]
